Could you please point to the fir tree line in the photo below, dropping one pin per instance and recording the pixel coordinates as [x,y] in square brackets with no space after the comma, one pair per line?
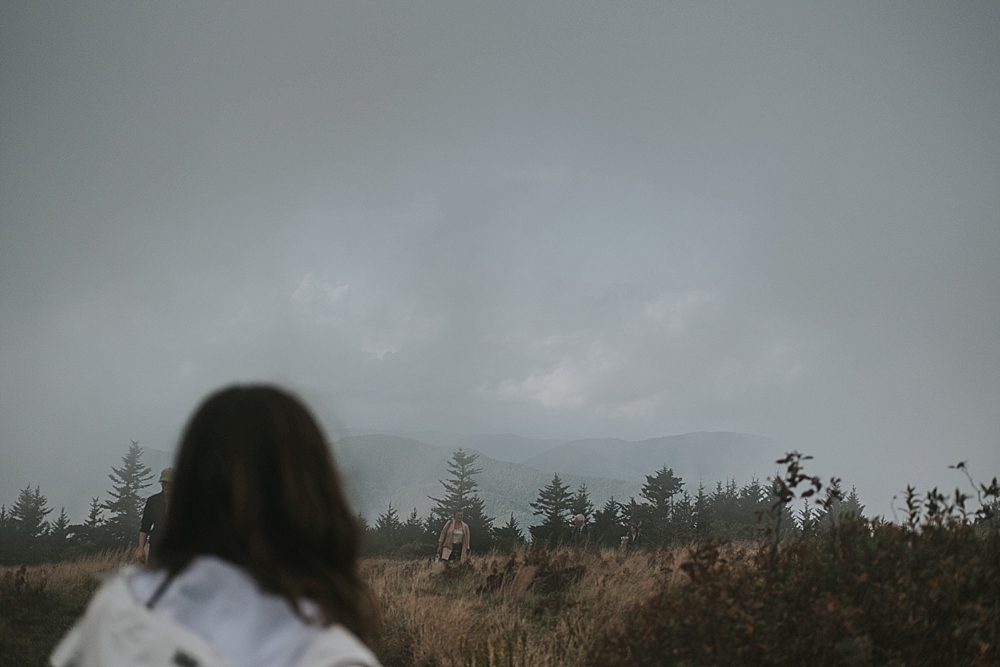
[665,515]
[28,537]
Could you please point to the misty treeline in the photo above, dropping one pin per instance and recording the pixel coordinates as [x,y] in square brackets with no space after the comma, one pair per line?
[664,515]
[29,534]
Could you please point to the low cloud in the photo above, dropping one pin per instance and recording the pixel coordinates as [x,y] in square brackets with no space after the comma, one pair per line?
[712,351]
[321,298]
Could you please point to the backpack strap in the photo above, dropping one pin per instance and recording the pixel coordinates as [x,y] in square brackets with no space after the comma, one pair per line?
[160,590]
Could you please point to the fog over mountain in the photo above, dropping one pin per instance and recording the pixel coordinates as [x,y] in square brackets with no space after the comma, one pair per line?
[381,469]
[560,220]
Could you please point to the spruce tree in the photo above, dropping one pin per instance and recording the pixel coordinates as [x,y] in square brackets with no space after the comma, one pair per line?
[28,529]
[388,527]
[59,535]
[413,530]
[95,518]
[29,512]
[581,503]
[461,494]
[553,505]
[509,535]
[126,501]
[660,489]
[852,504]
[608,527]
[6,532]
[701,515]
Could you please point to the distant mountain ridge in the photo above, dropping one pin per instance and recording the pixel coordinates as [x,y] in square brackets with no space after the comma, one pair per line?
[502,447]
[700,456]
[379,469]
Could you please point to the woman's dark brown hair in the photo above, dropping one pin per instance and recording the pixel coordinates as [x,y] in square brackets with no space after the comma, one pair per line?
[256,485]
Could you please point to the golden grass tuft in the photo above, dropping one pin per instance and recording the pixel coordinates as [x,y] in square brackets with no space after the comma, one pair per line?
[497,610]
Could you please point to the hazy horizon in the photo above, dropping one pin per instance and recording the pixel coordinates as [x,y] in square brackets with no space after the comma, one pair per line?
[560,220]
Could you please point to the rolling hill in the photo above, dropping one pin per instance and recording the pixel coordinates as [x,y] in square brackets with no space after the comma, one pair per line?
[379,469]
[702,456]
[502,447]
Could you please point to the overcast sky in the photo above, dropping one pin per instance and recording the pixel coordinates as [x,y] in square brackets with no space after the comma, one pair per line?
[559,219]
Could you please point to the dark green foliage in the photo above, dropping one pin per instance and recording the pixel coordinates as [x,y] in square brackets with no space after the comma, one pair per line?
[59,536]
[660,489]
[414,530]
[127,501]
[581,503]
[554,574]
[508,536]
[29,512]
[24,530]
[608,529]
[863,592]
[500,577]
[461,494]
[385,537]
[553,504]
[34,616]
[91,535]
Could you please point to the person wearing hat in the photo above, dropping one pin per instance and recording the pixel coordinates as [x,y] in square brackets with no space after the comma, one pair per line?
[154,517]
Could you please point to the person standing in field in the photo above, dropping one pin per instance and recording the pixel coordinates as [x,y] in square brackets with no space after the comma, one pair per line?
[454,541]
[154,516]
[578,531]
[257,563]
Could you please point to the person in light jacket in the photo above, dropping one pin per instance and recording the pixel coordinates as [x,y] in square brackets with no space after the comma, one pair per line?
[257,563]
[454,541]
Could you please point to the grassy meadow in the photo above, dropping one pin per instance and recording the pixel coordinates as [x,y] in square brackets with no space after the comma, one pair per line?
[863,593]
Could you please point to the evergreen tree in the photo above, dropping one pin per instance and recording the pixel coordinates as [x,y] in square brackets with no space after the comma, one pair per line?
[59,535]
[6,533]
[852,504]
[388,525]
[700,514]
[95,518]
[608,527]
[509,535]
[413,530]
[581,503]
[28,514]
[553,505]
[461,494]
[682,521]
[126,503]
[28,529]
[660,489]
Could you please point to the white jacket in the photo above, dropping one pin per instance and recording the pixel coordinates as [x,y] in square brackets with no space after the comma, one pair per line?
[210,615]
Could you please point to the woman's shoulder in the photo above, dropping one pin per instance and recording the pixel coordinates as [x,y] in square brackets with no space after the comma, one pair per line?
[338,647]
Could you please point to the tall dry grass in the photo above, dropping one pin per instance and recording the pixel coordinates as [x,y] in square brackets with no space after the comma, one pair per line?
[71,574]
[534,608]
[529,608]
[38,605]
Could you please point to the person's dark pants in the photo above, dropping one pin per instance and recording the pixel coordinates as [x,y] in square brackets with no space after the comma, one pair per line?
[456,553]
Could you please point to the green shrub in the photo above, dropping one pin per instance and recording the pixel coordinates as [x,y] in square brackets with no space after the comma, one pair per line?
[863,593]
[34,616]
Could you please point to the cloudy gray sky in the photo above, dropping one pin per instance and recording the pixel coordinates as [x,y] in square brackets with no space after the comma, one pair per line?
[559,219]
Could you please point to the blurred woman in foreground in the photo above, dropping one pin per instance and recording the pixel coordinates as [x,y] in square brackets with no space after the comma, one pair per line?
[258,561]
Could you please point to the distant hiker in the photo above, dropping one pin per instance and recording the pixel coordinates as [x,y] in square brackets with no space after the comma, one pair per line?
[454,541]
[633,535]
[578,531]
[257,563]
[154,517]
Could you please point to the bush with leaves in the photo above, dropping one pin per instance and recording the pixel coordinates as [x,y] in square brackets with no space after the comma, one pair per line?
[863,592]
